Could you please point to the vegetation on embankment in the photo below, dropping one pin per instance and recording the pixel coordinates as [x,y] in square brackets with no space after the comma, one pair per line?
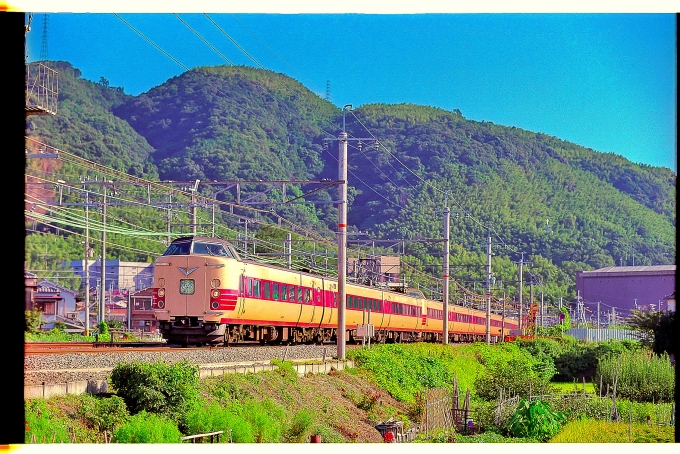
[390,382]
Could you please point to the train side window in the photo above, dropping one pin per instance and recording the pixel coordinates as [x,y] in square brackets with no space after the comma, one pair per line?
[299,295]
[284,292]
[335,300]
[348,303]
[307,295]
[379,306]
[256,287]
[250,287]
[276,291]
[267,291]
[292,293]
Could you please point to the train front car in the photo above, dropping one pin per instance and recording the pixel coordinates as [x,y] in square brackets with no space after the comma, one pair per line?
[195,285]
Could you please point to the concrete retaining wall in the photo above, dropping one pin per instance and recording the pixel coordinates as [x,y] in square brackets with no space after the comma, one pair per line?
[59,389]
[101,386]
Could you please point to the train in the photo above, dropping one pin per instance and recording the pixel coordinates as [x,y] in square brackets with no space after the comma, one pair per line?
[204,293]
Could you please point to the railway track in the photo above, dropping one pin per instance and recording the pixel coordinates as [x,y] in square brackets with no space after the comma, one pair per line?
[41,348]
[47,348]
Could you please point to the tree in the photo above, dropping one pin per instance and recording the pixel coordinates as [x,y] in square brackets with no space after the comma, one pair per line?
[655,328]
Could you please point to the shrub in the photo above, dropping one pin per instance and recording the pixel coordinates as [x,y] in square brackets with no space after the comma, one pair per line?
[512,370]
[103,328]
[168,389]
[205,418]
[402,370]
[42,426]
[639,376]
[266,419]
[535,419]
[147,428]
[32,318]
[300,427]
[103,413]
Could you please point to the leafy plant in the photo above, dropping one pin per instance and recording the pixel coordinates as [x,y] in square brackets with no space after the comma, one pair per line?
[33,322]
[103,328]
[146,427]
[211,417]
[106,413]
[535,419]
[167,389]
[42,426]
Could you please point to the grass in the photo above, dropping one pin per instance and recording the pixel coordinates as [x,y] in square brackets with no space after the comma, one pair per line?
[594,431]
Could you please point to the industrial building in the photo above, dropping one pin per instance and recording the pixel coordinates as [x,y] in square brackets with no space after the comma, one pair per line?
[623,288]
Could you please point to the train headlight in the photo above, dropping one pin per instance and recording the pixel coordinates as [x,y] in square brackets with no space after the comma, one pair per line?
[215,293]
[161,292]
[161,282]
[215,305]
[215,283]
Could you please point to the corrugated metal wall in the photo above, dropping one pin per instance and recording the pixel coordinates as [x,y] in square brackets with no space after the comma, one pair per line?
[597,335]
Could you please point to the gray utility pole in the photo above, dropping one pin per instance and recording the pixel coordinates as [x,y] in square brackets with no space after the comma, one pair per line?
[445,295]
[503,320]
[519,289]
[488,287]
[102,304]
[342,229]
[342,237]
[289,249]
[194,210]
[531,300]
[87,265]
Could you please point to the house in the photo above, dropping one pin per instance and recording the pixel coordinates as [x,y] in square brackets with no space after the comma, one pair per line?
[30,286]
[57,304]
[141,310]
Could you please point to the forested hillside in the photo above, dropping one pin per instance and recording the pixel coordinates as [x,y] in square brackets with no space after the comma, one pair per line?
[564,206]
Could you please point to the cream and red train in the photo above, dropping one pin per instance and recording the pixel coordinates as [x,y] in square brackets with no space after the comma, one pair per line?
[203,292]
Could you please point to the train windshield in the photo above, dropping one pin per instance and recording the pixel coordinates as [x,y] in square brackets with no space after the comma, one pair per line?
[213,249]
[201,248]
[178,248]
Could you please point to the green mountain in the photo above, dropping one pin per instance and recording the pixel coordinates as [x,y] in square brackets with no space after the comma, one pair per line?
[564,206]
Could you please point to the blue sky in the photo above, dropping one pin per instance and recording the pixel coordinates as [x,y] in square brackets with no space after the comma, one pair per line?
[604,81]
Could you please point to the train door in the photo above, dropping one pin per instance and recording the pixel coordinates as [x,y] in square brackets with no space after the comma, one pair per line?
[241,304]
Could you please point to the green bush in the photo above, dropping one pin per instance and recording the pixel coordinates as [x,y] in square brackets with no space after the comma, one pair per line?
[103,328]
[535,419]
[580,360]
[510,370]
[167,389]
[639,376]
[266,419]
[103,413]
[205,418]
[402,370]
[147,428]
[32,319]
[42,426]
[298,431]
